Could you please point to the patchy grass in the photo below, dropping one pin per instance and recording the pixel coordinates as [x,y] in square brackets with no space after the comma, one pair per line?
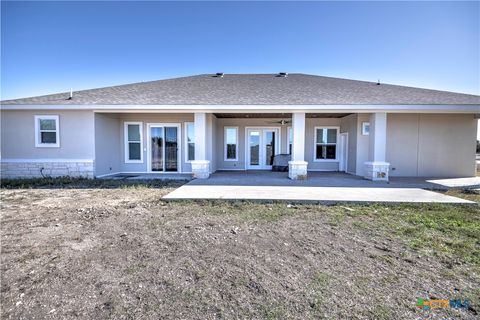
[246,211]
[319,287]
[468,194]
[450,232]
[83,183]
[125,253]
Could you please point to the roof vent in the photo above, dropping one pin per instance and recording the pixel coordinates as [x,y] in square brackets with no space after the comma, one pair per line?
[219,74]
[282,74]
[71,94]
[378,82]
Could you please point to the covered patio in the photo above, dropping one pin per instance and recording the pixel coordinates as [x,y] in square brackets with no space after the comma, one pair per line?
[315,179]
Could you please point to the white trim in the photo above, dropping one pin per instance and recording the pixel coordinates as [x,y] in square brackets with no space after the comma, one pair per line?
[299,126]
[38,142]
[262,134]
[341,158]
[186,140]
[225,143]
[19,160]
[290,128]
[315,144]
[179,144]
[401,108]
[126,141]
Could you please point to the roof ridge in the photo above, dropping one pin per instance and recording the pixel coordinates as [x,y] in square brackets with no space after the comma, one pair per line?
[253,88]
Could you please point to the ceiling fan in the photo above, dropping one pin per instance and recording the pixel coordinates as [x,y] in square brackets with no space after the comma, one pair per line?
[282,122]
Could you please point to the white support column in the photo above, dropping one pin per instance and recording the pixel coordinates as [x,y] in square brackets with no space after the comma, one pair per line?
[297,167]
[200,166]
[377,168]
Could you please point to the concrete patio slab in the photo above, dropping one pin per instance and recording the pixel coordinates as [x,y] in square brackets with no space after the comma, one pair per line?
[311,194]
[315,179]
[473,182]
[323,187]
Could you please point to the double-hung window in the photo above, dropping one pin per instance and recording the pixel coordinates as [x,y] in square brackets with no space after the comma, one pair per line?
[190,141]
[47,131]
[133,142]
[325,143]
[231,143]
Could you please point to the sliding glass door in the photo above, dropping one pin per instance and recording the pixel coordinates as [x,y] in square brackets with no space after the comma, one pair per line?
[157,148]
[163,146]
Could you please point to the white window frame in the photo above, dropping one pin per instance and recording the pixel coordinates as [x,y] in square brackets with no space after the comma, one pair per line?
[289,129]
[186,141]
[315,144]
[126,141]
[364,128]
[225,143]
[38,138]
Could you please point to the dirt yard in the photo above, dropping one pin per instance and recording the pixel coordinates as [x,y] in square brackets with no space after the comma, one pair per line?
[122,253]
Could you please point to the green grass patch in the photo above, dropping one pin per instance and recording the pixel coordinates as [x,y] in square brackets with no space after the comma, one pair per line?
[319,286]
[446,231]
[274,310]
[84,183]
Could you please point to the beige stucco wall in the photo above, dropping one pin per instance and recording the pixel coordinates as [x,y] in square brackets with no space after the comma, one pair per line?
[147,118]
[440,145]
[77,138]
[349,125]
[362,144]
[212,142]
[242,124]
[310,125]
[431,145]
[108,143]
[402,144]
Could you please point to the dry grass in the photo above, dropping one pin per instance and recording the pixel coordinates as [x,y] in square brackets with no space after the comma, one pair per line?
[93,252]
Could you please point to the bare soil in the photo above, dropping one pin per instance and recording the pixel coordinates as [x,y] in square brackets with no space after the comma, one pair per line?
[124,254]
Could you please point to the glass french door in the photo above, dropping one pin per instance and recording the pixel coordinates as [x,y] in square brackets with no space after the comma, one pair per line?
[262,146]
[164,144]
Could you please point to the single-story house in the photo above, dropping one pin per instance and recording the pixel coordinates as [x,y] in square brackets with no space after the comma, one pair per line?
[204,123]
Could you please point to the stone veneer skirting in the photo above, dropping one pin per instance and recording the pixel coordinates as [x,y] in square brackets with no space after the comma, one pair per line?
[32,168]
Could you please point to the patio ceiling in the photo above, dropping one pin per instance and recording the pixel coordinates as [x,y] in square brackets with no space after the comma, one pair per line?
[279,115]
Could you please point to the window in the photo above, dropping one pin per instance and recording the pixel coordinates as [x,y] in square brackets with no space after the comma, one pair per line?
[133,142]
[47,132]
[289,140]
[231,143]
[325,144]
[190,141]
[365,128]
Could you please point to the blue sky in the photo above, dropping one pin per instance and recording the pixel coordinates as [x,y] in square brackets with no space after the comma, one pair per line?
[49,47]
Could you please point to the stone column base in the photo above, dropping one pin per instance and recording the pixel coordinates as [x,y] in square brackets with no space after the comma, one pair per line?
[297,170]
[376,171]
[201,169]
